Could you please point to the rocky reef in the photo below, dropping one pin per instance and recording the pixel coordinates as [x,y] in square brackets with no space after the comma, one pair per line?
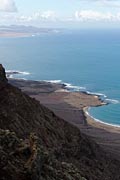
[35,144]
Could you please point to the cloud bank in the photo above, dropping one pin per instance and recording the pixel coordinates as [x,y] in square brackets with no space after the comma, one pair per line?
[38,16]
[90,15]
[8,6]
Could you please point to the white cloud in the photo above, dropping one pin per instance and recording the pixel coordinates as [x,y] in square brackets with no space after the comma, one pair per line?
[48,15]
[35,18]
[52,17]
[8,6]
[39,16]
[90,15]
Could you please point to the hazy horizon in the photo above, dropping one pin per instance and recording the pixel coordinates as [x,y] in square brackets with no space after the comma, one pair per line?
[63,14]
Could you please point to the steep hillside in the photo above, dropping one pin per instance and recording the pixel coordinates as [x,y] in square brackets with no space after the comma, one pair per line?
[36,144]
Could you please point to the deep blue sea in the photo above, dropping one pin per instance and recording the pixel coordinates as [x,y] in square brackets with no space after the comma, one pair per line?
[88,59]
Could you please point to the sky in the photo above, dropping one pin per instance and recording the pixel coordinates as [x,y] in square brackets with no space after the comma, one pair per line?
[63,13]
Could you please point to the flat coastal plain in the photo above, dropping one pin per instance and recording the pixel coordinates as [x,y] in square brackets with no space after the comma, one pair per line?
[72,107]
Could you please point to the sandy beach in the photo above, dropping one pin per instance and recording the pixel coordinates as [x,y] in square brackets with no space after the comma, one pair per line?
[72,107]
[14,34]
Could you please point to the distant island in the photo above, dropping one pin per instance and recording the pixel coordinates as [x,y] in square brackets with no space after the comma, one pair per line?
[23,31]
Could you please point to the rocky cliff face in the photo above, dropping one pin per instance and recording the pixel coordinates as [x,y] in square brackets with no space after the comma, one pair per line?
[35,144]
[3,79]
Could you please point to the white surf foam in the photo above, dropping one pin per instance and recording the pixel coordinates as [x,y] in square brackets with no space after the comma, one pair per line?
[54,81]
[104,98]
[74,88]
[17,72]
[11,73]
[97,94]
[67,85]
[98,120]
[112,101]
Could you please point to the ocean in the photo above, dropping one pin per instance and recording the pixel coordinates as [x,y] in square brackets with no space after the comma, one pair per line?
[87,60]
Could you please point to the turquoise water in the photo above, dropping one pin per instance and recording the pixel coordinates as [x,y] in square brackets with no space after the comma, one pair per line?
[88,59]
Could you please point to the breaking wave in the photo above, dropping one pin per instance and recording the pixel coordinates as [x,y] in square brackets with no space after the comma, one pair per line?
[11,73]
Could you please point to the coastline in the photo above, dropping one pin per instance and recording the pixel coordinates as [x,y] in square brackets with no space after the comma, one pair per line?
[86,109]
[72,107]
[98,123]
[57,86]
[14,35]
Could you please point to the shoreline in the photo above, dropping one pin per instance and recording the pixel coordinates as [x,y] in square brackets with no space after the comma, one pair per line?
[65,87]
[62,87]
[98,120]
[15,35]
[71,107]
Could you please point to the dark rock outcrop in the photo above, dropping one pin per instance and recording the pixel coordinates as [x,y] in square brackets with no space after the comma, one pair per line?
[35,144]
[25,159]
[3,79]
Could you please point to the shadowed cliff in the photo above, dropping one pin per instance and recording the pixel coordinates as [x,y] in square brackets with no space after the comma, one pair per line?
[35,144]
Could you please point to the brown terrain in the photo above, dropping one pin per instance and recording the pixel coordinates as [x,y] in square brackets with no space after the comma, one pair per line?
[36,144]
[71,106]
[14,34]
